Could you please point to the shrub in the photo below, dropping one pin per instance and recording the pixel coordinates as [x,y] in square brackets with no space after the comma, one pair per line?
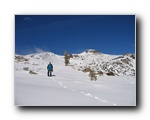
[92,75]
[110,74]
[66,57]
[100,73]
[75,55]
[70,56]
[125,60]
[26,68]
[31,72]
[20,59]
[87,70]
[132,56]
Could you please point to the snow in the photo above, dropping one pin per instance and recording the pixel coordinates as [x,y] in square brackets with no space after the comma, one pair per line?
[122,65]
[68,86]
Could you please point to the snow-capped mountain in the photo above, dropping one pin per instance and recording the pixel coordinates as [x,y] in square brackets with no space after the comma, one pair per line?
[102,64]
[69,85]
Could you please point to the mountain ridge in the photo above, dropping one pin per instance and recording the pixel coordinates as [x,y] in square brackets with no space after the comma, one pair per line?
[102,64]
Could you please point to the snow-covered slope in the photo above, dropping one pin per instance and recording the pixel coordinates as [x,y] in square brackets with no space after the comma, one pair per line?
[69,86]
[103,63]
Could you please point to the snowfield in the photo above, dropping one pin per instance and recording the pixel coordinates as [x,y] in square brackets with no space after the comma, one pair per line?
[68,86]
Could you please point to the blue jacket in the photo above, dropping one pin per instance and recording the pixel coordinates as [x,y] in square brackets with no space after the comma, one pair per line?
[50,67]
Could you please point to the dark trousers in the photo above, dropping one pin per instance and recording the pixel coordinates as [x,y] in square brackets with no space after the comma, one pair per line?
[49,73]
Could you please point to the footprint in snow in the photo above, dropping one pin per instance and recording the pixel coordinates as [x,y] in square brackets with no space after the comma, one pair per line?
[71,89]
[60,83]
[65,87]
[87,94]
[105,101]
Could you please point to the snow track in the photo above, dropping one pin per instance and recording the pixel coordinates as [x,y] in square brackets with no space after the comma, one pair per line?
[60,91]
[83,93]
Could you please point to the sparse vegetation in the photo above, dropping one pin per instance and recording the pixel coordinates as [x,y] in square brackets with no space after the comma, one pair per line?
[86,70]
[92,75]
[100,73]
[66,57]
[75,55]
[34,64]
[31,72]
[117,63]
[125,60]
[26,68]
[110,74]
[132,56]
[20,59]
[102,65]
[70,56]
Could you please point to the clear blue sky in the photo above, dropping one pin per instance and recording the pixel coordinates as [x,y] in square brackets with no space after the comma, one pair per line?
[110,34]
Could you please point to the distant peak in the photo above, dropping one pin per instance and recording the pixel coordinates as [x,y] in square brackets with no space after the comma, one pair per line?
[91,51]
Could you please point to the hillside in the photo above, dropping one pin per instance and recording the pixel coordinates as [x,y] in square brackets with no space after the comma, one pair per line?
[102,64]
[69,85]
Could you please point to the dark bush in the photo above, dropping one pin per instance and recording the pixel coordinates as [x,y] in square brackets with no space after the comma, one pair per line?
[110,74]
[92,75]
[26,68]
[75,55]
[66,58]
[132,56]
[86,70]
[100,73]
[31,72]
[70,56]
[125,60]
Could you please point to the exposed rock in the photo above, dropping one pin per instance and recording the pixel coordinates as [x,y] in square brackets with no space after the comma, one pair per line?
[20,59]
[92,51]
[125,60]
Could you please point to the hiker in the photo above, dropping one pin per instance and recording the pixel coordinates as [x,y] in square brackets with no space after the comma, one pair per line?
[50,69]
